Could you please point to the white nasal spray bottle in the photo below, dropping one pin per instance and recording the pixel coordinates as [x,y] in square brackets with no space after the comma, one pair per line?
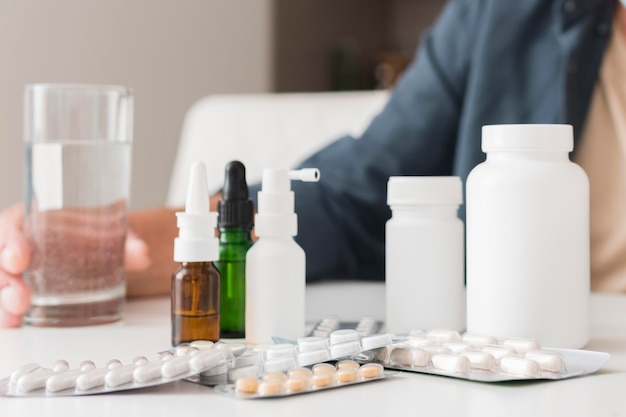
[275,264]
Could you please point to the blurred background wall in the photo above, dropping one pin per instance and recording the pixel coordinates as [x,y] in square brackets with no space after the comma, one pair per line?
[172,53]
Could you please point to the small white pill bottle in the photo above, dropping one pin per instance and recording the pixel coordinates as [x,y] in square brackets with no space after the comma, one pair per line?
[528,237]
[424,254]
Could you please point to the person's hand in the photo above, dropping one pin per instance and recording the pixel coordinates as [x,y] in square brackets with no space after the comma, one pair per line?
[14,259]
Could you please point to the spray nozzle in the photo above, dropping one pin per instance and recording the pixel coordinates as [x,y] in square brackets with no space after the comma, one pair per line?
[197,195]
[277,180]
[196,240]
[305,174]
[276,215]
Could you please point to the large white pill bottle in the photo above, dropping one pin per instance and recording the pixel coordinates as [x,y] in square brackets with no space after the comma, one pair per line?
[424,254]
[528,237]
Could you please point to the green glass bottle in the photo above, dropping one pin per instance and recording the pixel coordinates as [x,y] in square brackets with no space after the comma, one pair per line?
[235,224]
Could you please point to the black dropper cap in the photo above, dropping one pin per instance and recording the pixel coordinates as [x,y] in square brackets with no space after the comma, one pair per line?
[235,208]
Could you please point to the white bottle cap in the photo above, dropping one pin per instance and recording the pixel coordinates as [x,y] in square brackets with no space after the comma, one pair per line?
[527,137]
[276,207]
[196,241]
[409,191]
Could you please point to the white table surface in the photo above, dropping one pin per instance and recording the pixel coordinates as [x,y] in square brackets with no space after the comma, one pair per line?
[146,330]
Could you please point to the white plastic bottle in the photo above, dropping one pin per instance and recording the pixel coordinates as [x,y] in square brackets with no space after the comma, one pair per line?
[424,254]
[528,237]
[275,264]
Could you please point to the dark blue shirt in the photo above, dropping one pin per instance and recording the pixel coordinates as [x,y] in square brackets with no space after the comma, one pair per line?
[483,62]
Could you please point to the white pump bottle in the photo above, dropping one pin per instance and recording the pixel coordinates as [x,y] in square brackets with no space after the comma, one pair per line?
[275,264]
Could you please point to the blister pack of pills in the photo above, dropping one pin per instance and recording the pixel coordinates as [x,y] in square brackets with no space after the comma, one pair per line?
[482,358]
[365,327]
[302,380]
[60,379]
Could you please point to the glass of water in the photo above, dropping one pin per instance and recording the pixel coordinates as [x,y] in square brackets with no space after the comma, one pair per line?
[78,165]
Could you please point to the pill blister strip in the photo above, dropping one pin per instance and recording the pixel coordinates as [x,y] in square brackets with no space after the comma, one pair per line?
[303,380]
[281,357]
[86,379]
[482,358]
[365,327]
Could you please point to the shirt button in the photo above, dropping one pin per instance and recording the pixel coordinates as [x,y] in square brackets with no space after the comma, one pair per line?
[569,6]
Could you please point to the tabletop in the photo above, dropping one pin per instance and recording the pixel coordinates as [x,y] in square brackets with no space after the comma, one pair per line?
[145,330]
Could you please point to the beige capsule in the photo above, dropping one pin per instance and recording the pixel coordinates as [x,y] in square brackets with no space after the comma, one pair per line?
[271,387]
[298,384]
[247,385]
[323,379]
[371,370]
[347,375]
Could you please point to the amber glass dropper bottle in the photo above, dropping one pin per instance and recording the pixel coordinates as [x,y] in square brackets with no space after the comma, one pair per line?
[196,283]
[235,222]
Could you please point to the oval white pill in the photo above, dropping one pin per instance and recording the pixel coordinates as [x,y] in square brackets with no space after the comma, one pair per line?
[91,379]
[343,335]
[478,341]
[63,381]
[451,363]
[375,341]
[409,356]
[247,359]
[417,341]
[518,365]
[250,371]
[122,375]
[281,350]
[443,336]
[174,367]
[33,381]
[344,349]
[520,345]
[497,351]
[202,344]
[455,347]
[307,344]
[21,371]
[206,359]
[479,359]
[314,356]
[147,372]
[279,365]
[550,362]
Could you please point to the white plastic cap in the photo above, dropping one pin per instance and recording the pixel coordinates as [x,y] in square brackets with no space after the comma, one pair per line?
[196,241]
[409,191]
[528,137]
[276,207]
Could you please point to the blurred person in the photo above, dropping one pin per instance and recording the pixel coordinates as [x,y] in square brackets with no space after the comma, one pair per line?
[483,62]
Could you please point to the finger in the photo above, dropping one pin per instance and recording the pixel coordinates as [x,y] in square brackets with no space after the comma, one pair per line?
[9,320]
[14,297]
[14,248]
[15,254]
[136,253]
